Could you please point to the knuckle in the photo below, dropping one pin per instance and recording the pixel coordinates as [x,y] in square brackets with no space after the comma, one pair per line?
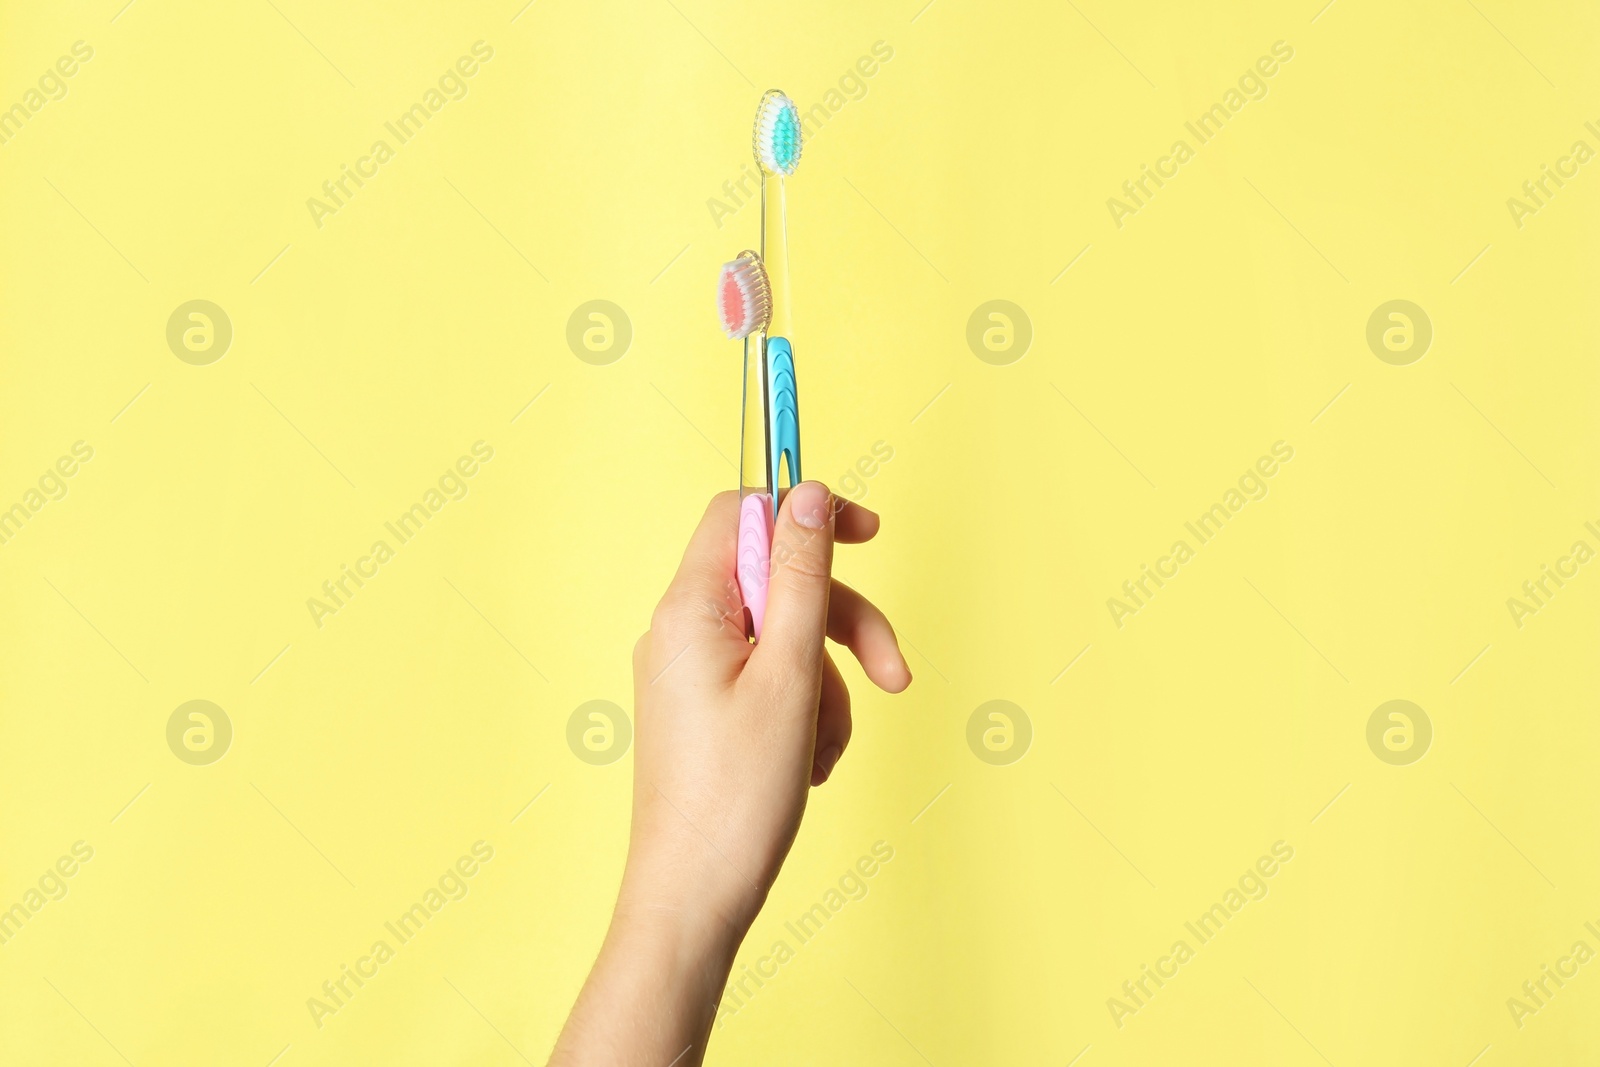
[807,567]
[679,612]
[841,734]
[725,502]
[803,558]
[668,614]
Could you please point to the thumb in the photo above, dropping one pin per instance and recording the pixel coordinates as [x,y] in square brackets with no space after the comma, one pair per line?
[797,593]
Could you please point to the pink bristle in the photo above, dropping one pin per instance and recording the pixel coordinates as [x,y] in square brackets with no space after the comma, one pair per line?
[732,304]
[743,298]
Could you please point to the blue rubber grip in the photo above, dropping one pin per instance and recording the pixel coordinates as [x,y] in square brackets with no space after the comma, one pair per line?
[784,430]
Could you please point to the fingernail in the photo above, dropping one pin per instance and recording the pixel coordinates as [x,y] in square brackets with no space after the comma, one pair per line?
[808,503]
[829,757]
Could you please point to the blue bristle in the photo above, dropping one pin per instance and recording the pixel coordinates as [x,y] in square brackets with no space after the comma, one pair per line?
[786,138]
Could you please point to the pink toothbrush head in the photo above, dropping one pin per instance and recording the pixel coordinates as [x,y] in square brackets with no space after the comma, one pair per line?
[743,297]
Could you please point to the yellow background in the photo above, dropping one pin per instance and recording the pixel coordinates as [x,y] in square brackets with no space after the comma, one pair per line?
[369,353]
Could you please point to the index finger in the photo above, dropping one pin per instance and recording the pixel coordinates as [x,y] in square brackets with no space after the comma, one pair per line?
[704,586]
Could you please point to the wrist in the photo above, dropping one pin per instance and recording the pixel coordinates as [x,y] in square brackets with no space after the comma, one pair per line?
[667,942]
[675,896]
[665,956]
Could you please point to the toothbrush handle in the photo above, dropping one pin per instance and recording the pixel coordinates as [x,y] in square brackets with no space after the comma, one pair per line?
[783,436]
[754,556]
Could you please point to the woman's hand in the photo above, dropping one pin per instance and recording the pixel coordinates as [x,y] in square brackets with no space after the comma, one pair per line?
[730,737]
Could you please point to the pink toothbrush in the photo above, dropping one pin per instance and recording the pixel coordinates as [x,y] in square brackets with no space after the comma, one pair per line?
[745,302]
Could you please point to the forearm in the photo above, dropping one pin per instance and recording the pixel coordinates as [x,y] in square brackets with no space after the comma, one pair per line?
[652,995]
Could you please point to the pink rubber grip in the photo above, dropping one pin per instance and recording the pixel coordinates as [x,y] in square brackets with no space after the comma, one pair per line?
[754,558]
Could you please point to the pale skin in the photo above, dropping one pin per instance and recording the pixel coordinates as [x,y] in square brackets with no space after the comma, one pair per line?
[730,739]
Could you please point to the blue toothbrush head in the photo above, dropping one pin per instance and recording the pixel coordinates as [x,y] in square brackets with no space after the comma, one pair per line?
[777,136]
